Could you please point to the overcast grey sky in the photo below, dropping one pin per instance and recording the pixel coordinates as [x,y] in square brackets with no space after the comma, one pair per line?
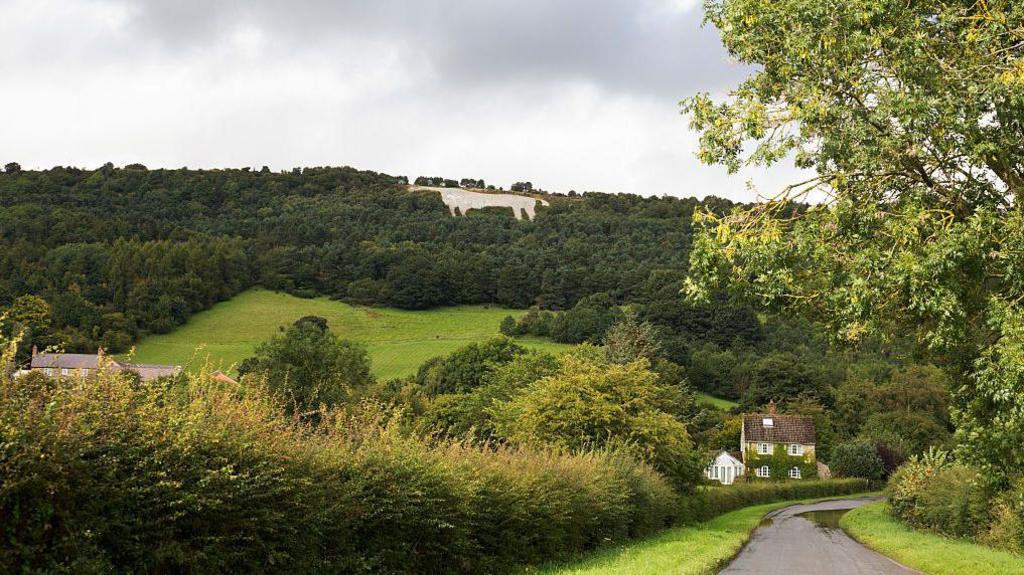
[570,94]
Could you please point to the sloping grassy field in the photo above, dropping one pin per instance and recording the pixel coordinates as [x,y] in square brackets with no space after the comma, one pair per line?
[718,402]
[398,341]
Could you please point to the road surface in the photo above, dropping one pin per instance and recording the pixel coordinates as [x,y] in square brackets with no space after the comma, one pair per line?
[788,544]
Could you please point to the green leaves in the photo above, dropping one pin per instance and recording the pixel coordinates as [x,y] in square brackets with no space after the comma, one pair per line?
[912,117]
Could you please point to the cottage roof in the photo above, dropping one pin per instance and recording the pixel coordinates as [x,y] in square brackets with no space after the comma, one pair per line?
[147,371]
[65,360]
[783,428]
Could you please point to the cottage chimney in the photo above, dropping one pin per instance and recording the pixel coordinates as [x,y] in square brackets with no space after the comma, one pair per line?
[771,407]
[35,351]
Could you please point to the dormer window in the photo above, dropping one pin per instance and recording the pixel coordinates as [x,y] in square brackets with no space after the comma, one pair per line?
[768,422]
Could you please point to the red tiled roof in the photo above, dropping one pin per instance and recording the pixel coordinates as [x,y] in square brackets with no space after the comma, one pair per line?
[785,429]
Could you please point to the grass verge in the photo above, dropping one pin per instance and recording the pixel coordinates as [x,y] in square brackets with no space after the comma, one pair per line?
[694,550]
[933,554]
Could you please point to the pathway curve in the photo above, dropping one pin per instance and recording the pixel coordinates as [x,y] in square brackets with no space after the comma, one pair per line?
[788,544]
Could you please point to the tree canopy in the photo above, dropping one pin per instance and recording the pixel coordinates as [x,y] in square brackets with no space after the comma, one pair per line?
[308,366]
[909,119]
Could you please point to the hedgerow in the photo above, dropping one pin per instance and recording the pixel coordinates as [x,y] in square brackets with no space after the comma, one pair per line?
[101,475]
[711,501]
[107,475]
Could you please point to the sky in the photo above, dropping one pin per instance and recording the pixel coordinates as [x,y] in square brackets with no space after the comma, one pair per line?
[568,94]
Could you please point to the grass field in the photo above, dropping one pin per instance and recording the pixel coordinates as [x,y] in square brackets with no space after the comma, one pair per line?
[696,550]
[933,554]
[723,404]
[398,341]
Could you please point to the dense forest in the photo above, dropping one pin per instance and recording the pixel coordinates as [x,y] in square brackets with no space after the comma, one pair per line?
[115,253]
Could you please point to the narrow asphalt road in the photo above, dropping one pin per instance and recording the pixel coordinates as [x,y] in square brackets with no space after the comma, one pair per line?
[788,544]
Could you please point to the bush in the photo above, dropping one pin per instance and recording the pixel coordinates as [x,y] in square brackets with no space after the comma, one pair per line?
[101,475]
[1007,529]
[711,501]
[938,495]
[586,404]
[856,460]
[509,327]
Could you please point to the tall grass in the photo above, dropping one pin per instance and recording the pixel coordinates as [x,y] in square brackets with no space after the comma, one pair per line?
[101,475]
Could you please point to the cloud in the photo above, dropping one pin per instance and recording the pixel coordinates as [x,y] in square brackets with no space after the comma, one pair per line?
[572,94]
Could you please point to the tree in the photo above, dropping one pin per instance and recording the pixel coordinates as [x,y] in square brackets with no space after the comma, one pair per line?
[856,460]
[12,168]
[586,405]
[509,327]
[29,318]
[824,430]
[461,414]
[909,117]
[308,366]
[782,377]
[464,369]
[587,321]
[906,433]
[630,340]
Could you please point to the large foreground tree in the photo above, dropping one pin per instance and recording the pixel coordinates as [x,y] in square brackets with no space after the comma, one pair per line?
[909,120]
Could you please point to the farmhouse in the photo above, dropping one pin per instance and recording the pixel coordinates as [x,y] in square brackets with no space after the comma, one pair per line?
[778,446]
[82,364]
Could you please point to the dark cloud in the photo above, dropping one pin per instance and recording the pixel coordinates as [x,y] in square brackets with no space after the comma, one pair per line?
[570,94]
[638,46]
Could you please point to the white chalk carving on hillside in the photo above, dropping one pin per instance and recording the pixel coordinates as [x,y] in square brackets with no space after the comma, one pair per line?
[466,200]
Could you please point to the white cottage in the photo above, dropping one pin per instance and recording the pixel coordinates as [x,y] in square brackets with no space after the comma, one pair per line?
[725,468]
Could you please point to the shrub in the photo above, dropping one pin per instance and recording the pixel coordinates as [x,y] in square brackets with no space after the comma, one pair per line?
[509,327]
[104,474]
[101,475]
[586,404]
[1007,528]
[464,369]
[856,460]
[936,494]
[711,501]
[308,365]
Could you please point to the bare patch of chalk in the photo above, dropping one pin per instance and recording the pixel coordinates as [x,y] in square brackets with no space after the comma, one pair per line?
[465,200]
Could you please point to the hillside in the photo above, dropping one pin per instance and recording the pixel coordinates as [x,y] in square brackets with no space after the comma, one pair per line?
[398,341]
[119,253]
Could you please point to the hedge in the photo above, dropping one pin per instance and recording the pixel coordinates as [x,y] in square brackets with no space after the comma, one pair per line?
[102,475]
[711,501]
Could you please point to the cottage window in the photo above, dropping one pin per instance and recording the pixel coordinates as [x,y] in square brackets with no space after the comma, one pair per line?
[796,449]
[48,372]
[763,448]
[85,372]
[763,471]
[63,371]
[794,473]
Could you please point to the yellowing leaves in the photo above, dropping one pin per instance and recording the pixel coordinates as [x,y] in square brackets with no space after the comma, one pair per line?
[1013,76]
